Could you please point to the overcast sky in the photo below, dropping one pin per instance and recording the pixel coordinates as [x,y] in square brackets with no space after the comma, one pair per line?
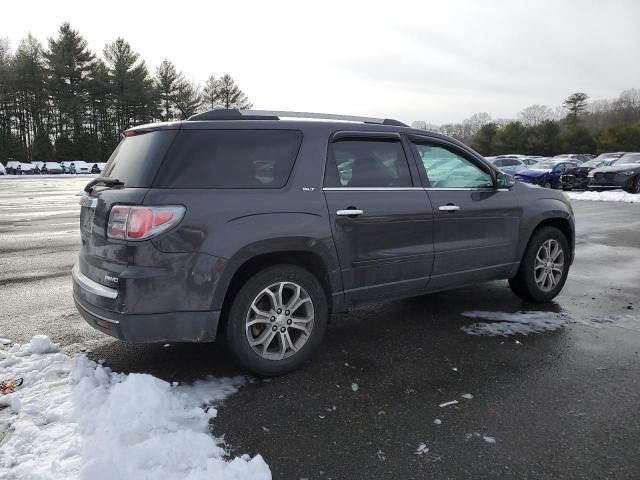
[438,61]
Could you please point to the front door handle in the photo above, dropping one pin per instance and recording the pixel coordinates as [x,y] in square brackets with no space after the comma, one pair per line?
[350,212]
[449,208]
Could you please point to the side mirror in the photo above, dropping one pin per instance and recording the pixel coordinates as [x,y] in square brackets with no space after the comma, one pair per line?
[504,180]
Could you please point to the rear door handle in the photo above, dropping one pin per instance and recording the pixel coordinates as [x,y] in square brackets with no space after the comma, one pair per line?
[448,208]
[350,212]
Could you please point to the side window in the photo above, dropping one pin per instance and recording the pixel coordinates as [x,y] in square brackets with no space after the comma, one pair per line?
[228,159]
[497,163]
[367,163]
[511,163]
[445,168]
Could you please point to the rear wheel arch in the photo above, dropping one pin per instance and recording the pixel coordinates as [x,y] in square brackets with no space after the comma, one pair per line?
[310,261]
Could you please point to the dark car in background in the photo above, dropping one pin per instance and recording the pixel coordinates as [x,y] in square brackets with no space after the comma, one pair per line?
[12,167]
[578,177]
[254,228]
[51,168]
[547,173]
[624,174]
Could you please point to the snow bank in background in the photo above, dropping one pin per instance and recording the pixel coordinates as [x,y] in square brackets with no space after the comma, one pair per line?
[610,196]
[519,323]
[74,418]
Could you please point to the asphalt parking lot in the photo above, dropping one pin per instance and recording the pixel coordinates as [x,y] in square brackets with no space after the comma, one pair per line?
[561,404]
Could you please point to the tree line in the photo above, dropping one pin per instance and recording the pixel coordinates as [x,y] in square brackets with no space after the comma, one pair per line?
[578,126]
[64,102]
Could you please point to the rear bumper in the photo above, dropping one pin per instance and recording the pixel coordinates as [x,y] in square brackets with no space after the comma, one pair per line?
[141,328]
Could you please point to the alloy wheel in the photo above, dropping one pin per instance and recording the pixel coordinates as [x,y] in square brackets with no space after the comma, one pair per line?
[549,265]
[279,321]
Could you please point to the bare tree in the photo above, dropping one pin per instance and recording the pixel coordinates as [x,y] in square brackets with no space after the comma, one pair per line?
[535,114]
[471,125]
[187,98]
[419,124]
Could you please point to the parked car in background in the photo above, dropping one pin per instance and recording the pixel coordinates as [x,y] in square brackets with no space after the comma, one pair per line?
[508,164]
[624,174]
[238,220]
[3,171]
[82,167]
[12,167]
[547,174]
[38,166]
[69,167]
[574,157]
[531,160]
[578,177]
[52,168]
[26,169]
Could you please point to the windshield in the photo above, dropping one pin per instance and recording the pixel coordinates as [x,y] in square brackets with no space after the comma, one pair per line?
[629,158]
[544,165]
[593,163]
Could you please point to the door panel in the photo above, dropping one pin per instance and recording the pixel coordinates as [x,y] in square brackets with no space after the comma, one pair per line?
[476,242]
[381,223]
[475,225]
[388,249]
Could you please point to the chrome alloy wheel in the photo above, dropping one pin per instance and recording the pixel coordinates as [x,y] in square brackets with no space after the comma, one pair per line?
[279,321]
[549,265]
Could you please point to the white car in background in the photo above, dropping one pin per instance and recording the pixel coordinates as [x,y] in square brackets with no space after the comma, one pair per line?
[508,165]
[26,169]
[83,167]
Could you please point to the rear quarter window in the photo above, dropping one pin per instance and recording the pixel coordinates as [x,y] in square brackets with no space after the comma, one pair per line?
[230,159]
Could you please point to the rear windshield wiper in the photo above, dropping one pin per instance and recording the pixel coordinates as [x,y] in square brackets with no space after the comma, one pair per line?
[109,182]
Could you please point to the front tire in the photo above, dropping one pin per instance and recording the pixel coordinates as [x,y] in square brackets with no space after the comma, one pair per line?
[277,320]
[635,186]
[544,267]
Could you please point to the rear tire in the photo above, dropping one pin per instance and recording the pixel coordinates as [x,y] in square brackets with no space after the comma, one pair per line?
[285,306]
[544,267]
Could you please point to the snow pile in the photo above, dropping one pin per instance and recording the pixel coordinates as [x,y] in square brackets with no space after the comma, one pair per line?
[519,323]
[609,196]
[74,418]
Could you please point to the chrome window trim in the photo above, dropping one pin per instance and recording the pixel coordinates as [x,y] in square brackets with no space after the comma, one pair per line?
[412,189]
[372,189]
[91,286]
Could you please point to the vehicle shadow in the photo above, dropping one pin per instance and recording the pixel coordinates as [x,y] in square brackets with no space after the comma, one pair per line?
[376,333]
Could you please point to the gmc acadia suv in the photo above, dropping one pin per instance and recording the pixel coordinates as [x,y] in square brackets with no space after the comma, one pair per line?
[254,226]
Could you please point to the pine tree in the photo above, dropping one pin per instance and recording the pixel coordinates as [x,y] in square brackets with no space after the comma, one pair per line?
[167,80]
[69,64]
[225,93]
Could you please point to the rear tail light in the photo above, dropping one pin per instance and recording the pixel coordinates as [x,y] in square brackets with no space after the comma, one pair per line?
[141,223]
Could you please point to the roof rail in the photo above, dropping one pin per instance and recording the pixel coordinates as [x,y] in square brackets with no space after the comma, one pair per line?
[232,114]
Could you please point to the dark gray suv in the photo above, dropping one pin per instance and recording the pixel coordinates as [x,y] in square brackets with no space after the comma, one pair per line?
[255,226]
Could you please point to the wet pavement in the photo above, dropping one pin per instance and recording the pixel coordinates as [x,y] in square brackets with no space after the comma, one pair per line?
[561,404]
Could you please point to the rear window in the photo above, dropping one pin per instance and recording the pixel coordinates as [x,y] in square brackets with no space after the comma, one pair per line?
[230,159]
[136,159]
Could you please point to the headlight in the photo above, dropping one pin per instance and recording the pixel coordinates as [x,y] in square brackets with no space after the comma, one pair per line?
[626,172]
[591,174]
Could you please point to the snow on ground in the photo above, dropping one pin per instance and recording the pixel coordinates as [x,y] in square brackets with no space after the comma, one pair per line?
[75,419]
[518,323]
[609,196]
